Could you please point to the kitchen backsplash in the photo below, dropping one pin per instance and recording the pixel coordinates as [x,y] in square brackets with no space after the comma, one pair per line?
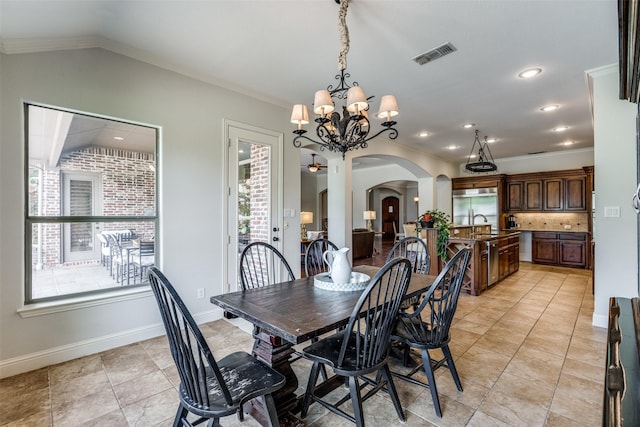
[565,221]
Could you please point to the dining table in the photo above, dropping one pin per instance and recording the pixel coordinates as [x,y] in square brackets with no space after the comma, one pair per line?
[290,313]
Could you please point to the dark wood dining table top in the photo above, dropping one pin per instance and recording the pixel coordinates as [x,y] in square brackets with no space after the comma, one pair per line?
[297,310]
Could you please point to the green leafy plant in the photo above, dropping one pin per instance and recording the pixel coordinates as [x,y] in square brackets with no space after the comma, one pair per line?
[441,221]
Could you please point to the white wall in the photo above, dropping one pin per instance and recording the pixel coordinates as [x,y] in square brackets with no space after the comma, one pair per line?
[558,160]
[192,165]
[615,170]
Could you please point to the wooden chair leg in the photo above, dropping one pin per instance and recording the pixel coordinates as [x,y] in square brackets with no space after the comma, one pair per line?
[313,378]
[182,413]
[428,369]
[393,393]
[356,401]
[452,366]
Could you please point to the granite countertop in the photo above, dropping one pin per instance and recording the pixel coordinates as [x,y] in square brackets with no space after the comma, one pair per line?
[551,230]
[485,237]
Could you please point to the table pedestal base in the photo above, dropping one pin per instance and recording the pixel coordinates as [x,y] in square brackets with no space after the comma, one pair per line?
[276,352]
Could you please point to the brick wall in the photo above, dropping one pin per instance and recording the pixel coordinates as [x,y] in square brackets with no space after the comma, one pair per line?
[260,197]
[128,187]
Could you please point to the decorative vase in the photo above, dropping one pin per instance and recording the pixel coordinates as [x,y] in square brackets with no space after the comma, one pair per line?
[426,224]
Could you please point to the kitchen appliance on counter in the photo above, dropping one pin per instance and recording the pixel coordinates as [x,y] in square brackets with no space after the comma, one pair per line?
[511,221]
[476,206]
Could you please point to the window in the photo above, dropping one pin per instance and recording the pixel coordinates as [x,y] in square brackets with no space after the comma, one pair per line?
[91,213]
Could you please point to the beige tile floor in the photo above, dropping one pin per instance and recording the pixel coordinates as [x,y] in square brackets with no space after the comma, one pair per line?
[525,350]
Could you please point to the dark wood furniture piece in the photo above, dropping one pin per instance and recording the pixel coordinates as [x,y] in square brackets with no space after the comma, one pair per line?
[621,406]
[210,388]
[562,249]
[553,191]
[476,278]
[291,313]
[362,243]
[430,330]
[362,348]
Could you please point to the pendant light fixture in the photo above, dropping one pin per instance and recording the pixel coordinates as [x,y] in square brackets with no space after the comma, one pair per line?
[482,161]
[350,130]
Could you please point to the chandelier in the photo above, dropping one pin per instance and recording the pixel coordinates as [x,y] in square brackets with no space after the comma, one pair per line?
[484,162]
[349,131]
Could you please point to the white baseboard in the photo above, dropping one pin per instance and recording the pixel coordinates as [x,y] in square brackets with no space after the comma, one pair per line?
[52,356]
[599,320]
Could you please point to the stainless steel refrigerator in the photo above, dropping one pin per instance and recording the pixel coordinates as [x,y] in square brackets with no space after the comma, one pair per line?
[477,206]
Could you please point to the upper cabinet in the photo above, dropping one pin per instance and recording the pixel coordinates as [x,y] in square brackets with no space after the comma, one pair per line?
[557,191]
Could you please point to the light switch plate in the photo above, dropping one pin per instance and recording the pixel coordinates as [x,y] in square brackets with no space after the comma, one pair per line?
[612,211]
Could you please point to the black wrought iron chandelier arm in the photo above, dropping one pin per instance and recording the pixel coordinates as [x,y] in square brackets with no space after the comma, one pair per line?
[297,142]
[393,133]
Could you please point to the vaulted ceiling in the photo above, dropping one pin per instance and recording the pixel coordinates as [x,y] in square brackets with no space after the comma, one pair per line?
[283,51]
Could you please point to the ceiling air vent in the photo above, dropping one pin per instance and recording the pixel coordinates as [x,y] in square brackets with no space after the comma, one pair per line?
[435,53]
[536,152]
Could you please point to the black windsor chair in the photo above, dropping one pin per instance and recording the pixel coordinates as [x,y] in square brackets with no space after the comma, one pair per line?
[261,264]
[415,250]
[433,333]
[210,389]
[363,346]
[313,262]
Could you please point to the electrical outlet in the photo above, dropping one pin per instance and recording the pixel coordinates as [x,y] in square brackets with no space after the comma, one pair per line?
[567,227]
[200,294]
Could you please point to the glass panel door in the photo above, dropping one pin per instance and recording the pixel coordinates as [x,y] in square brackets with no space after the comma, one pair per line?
[254,193]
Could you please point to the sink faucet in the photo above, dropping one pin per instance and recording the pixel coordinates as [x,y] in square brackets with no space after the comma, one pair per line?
[473,219]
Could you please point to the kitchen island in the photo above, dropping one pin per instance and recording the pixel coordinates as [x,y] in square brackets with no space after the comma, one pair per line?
[494,257]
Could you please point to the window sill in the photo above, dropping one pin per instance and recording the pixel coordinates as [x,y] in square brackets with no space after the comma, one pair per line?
[44,308]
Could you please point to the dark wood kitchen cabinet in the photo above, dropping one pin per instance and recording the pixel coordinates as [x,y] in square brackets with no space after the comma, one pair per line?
[544,248]
[562,249]
[553,194]
[556,191]
[575,193]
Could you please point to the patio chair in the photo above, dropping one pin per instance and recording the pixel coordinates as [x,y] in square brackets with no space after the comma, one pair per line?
[210,389]
[433,333]
[261,264]
[313,262]
[105,251]
[119,260]
[362,348]
[143,258]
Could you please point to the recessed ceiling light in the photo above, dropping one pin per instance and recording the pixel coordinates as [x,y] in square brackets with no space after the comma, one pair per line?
[452,147]
[241,151]
[551,107]
[472,156]
[560,128]
[567,143]
[530,72]
[424,134]
[469,125]
[490,140]
[118,138]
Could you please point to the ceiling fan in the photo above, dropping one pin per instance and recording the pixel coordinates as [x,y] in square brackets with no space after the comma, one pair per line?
[315,166]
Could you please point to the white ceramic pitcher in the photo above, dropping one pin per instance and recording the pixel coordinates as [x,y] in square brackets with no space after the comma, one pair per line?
[339,267]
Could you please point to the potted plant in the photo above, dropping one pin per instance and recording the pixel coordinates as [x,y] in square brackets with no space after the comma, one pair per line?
[439,220]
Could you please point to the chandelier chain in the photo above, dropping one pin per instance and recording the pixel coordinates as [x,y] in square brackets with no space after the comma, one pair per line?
[344,35]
